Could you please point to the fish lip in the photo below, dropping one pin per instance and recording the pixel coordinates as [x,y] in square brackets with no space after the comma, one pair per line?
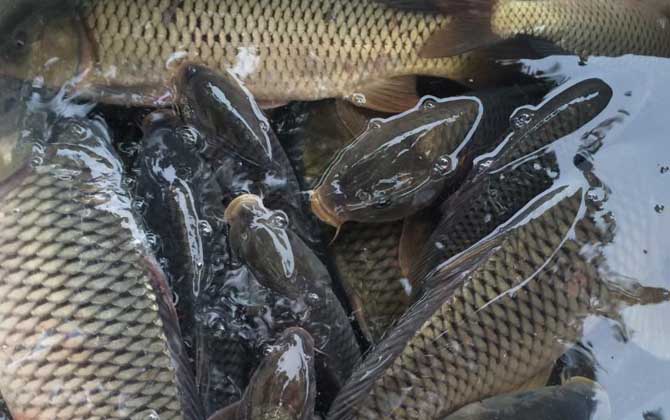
[322,212]
[235,206]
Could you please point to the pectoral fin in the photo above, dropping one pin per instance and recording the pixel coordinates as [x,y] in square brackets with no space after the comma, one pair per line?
[396,94]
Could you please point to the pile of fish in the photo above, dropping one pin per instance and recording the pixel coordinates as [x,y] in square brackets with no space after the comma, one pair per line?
[183,236]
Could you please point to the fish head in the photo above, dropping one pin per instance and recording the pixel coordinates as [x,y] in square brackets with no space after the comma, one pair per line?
[225,108]
[284,384]
[397,166]
[48,49]
[260,237]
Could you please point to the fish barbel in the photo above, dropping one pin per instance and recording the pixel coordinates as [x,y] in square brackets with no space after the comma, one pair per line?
[87,326]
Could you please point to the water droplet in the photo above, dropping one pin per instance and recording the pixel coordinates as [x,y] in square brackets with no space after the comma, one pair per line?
[359,99]
[205,228]
[659,208]
[37,160]
[279,219]
[139,205]
[484,164]
[442,166]
[375,124]
[152,241]
[189,135]
[363,195]
[428,103]
[382,201]
[80,131]
[522,118]
[184,172]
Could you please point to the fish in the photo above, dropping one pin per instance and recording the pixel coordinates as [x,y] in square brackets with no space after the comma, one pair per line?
[419,149]
[283,386]
[182,207]
[313,132]
[283,263]
[125,51]
[403,164]
[578,399]
[511,176]
[584,28]
[241,146]
[88,325]
[504,310]
[367,260]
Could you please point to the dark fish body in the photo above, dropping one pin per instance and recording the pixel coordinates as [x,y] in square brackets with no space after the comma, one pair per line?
[283,386]
[241,146]
[403,164]
[283,263]
[88,326]
[419,150]
[517,172]
[578,399]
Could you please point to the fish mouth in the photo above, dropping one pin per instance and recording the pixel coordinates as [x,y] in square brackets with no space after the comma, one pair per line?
[237,205]
[322,212]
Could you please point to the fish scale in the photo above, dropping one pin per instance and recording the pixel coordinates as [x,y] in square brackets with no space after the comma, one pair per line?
[597,27]
[282,49]
[366,257]
[85,326]
[482,339]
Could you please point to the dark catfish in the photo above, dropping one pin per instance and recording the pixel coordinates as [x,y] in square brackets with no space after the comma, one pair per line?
[284,384]
[283,263]
[515,173]
[403,164]
[240,144]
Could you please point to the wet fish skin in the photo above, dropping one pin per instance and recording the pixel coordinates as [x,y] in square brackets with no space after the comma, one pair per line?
[448,349]
[496,193]
[578,399]
[585,28]
[283,386]
[419,150]
[240,144]
[367,260]
[270,44]
[284,264]
[97,313]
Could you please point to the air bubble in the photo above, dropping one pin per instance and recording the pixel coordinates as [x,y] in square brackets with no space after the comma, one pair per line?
[428,104]
[265,126]
[279,219]
[189,136]
[374,124]
[522,118]
[442,167]
[139,205]
[363,195]
[659,208]
[313,298]
[205,228]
